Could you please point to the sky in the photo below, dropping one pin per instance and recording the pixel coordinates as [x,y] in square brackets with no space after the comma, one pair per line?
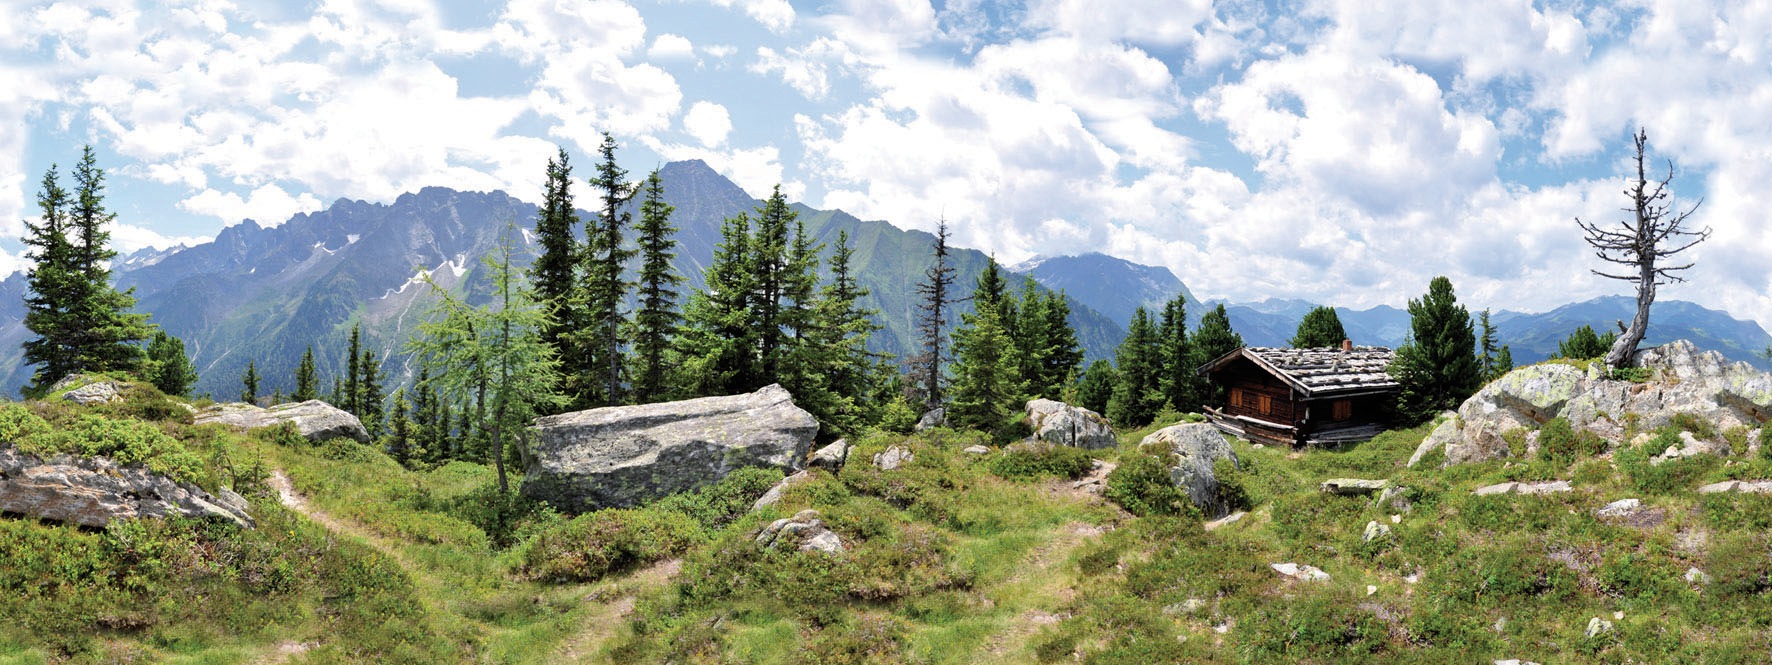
[1340,151]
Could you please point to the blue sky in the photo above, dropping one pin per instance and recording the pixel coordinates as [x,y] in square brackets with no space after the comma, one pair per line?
[1343,151]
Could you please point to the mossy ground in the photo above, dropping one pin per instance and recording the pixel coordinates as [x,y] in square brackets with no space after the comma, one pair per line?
[953,558]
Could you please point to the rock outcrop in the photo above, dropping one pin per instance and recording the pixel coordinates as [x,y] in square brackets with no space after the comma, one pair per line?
[830,458]
[623,456]
[93,491]
[103,392]
[804,531]
[317,421]
[1065,425]
[1192,449]
[1683,380]
[892,458]
[780,489]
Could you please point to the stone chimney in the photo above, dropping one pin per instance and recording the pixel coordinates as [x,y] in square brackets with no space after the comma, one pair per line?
[1347,345]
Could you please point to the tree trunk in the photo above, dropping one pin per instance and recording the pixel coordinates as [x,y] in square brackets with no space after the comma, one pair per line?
[1624,350]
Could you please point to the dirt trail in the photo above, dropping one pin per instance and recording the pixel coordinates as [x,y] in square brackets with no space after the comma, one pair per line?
[601,623]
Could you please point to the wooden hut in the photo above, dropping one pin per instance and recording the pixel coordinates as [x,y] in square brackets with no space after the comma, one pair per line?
[1296,397]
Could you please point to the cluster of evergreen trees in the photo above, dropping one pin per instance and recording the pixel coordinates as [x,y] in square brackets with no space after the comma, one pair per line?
[80,321]
[1010,349]
[1154,369]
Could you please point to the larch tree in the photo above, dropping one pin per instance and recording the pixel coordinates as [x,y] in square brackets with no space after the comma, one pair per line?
[1321,327]
[492,356]
[931,320]
[1437,368]
[1643,243]
[169,369]
[655,320]
[605,286]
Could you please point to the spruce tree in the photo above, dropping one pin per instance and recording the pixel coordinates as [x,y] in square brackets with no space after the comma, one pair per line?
[400,443]
[53,280]
[717,343]
[169,369]
[554,272]
[353,373]
[655,322]
[1437,368]
[1584,344]
[986,372]
[1214,339]
[1504,361]
[1060,355]
[307,384]
[605,287]
[369,395]
[1096,387]
[249,383]
[109,334]
[931,321]
[836,350]
[1320,328]
[1139,394]
[775,283]
[1181,385]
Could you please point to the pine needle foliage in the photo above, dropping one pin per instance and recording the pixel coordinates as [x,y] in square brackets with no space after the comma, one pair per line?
[1438,366]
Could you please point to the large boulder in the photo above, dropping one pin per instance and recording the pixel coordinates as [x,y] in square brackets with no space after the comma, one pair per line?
[622,456]
[933,418]
[1193,448]
[316,420]
[1682,380]
[93,491]
[1065,425]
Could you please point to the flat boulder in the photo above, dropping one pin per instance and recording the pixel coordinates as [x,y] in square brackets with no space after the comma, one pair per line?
[623,456]
[1065,425]
[94,491]
[315,420]
[1192,449]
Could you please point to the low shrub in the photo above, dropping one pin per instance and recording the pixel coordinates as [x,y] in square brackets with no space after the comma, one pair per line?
[1035,461]
[1232,491]
[88,435]
[593,545]
[1740,564]
[1142,486]
[1561,443]
[1631,374]
[505,517]
[1697,425]
[715,506]
[1766,441]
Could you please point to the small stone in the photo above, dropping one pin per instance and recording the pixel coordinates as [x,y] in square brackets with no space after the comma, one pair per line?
[1371,589]
[1412,578]
[1300,572]
[1396,519]
[1500,624]
[1717,488]
[1185,608]
[1353,486]
[1696,576]
[1257,446]
[1618,615]
[1227,519]
[893,458]
[831,457]
[1374,531]
[976,450]
[1620,508]
[937,417]
[1597,627]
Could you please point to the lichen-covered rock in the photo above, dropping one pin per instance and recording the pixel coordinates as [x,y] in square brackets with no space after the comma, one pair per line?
[1193,448]
[1683,380]
[804,531]
[1065,425]
[1353,486]
[1374,531]
[93,491]
[315,420]
[623,456]
[780,488]
[831,457]
[102,392]
[936,417]
[892,458]
[976,449]
[1302,573]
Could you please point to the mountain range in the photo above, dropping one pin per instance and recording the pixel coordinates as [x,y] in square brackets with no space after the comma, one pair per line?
[264,294]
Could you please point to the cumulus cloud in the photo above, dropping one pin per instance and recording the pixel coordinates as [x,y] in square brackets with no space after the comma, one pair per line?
[270,205]
[777,15]
[708,123]
[671,47]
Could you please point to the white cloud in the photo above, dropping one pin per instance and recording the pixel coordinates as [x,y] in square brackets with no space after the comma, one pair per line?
[671,47]
[807,69]
[126,238]
[708,123]
[756,170]
[269,205]
[777,15]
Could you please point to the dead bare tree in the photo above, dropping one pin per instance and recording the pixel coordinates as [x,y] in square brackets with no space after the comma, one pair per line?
[1642,242]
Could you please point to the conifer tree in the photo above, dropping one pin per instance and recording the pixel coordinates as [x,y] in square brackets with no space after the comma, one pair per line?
[836,350]
[109,334]
[986,371]
[604,284]
[1437,367]
[1096,387]
[1320,328]
[717,344]
[493,353]
[169,369]
[1060,355]
[353,374]
[53,280]
[428,426]
[1584,344]
[655,322]
[400,443]
[1214,339]
[307,385]
[1504,362]
[932,321]
[1180,383]
[369,395]
[1139,362]
[554,272]
[249,383]
[776,282]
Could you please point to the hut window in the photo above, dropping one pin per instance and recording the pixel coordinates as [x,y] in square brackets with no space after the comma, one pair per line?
[1236,397]
[1344,409]
[1266,404]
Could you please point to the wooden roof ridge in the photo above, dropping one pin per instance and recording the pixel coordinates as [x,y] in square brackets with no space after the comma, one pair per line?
[1319,371]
